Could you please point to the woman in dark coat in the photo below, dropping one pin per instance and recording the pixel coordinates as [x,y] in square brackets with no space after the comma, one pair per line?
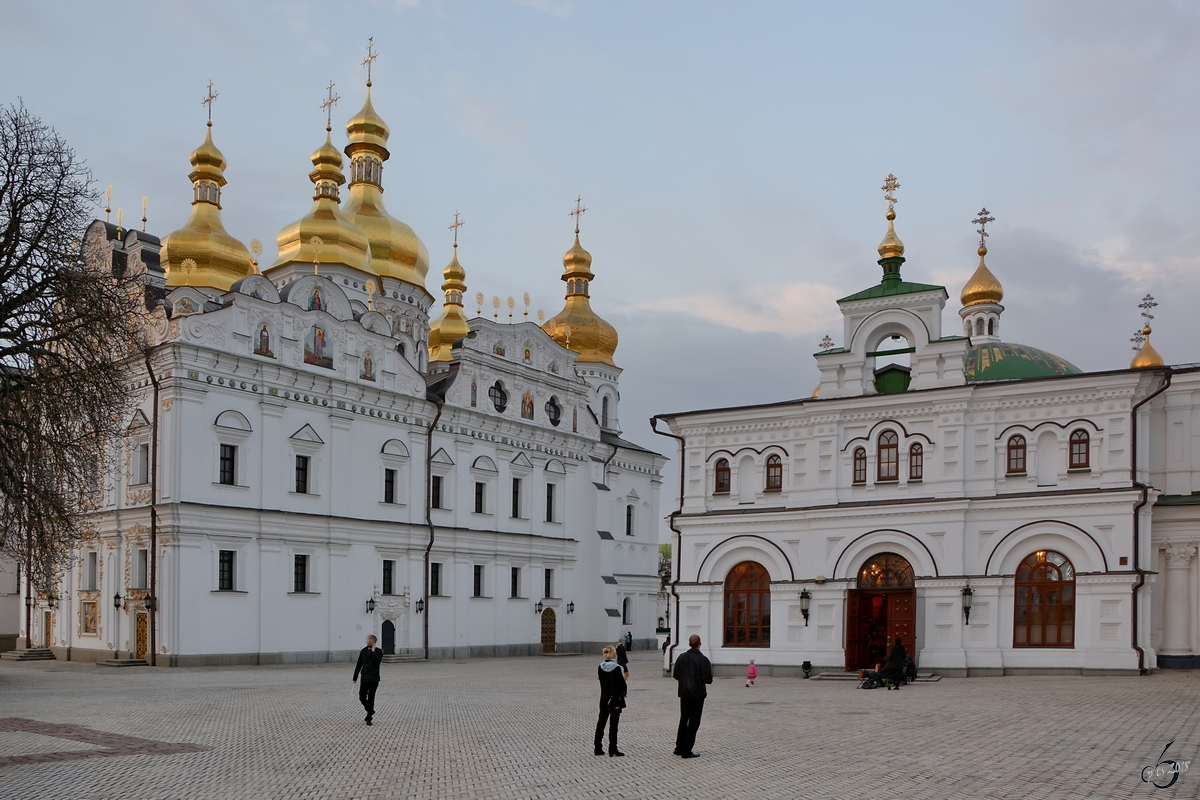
[893,670]
[612,700]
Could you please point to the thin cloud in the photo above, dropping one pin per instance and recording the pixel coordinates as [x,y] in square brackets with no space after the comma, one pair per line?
[797,309]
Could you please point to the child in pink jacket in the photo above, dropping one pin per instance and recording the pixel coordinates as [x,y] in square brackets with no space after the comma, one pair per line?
[751,673]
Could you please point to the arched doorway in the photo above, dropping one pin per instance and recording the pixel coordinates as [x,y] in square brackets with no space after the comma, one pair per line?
[747,606]
[882,606]
[389,638]
[549,630]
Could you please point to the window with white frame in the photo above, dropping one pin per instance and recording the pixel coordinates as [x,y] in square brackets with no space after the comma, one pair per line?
[141,464]
[141,570]
[300,573]
[91,574]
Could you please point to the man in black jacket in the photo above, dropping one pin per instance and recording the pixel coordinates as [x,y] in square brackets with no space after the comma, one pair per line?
[693,672]
[369,659]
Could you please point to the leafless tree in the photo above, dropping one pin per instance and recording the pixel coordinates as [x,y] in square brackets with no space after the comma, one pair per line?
[68,339]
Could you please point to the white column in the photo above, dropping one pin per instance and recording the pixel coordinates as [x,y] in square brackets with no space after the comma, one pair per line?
[1177,616]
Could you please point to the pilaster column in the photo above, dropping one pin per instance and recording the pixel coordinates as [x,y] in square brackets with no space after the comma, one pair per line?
[1177,613]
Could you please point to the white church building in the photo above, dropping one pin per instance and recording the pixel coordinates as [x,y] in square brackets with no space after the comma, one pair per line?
[987,502]
[313,458]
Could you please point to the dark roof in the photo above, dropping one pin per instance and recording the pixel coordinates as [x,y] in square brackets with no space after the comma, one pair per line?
[605,534]
[890,288]
[617,441]
[612,612]
[609,579]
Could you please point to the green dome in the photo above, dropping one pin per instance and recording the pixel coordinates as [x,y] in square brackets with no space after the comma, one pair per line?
[1003,361]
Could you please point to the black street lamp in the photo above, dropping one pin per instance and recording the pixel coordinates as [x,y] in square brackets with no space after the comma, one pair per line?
[28,601]
[117,601]
[538,608]
[570,608]
[371,606]
[966,600]
[420,606]
[150,601]
[805,600]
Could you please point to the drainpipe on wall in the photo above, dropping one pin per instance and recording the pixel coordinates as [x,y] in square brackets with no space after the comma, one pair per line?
[428,511]
[678,546]
[153,595]
[1137,509]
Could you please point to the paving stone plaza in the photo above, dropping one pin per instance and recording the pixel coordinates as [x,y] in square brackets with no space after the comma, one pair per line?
[522,727]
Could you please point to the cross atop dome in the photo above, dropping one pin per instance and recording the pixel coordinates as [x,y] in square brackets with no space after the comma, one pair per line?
[371,56]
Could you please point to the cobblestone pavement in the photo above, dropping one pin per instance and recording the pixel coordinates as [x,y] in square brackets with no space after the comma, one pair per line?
[522,728]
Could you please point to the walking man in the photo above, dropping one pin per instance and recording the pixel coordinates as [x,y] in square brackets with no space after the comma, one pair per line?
[693,672]
[369,659]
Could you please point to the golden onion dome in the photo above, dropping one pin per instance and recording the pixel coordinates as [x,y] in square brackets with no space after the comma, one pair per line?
[396,250]
[577,327]
[1147,356]
[452,324]
[341,241]
[891,246]
[983,287]
[215,260]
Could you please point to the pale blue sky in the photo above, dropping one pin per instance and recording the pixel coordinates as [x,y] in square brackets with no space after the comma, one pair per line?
[730,154]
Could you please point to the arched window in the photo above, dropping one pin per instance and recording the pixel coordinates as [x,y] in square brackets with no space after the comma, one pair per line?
[1080,449]
[886,571]
[553,411]
[991,327]
[916,462]
[774,474]
[721,484]
[748,606]
[498,396]
[604,413]
[629,520]
[889,457]
[1044,614]
[626,612]
[860,465]
[1016,455]
[979,327]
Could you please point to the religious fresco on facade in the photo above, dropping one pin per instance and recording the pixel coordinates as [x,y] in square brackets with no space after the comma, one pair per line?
[90,616]
[554,367]
[184,305]
[368,370]
[527,406]
[318,350]
[528,357]
[498,348]
[263,345]
[315,301]
[574,419]
[474,393]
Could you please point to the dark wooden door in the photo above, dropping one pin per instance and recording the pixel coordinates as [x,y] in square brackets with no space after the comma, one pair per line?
[549,631]
[46,640]
[853,641]
[141,638]
[902,618]
[389,638]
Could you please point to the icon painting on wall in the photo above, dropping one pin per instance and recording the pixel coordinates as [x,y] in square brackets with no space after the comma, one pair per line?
[368,372]
[315,301]
[318,351]
[527,406]
[263,348]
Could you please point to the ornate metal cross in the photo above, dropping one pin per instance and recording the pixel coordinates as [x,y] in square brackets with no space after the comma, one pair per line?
[208,101]
[890,185]
[578,212]
[1146,305]
[457,224]
[327,106]
[826,343]
[371,56]
[982,220]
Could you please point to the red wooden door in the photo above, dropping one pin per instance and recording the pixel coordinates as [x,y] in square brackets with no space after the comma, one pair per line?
[854,639]
[902,618]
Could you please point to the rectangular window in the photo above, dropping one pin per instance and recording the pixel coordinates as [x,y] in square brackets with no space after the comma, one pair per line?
[301,474]
[91,578]
[228,459]
[141,467]
[435,491]
[225,565]
[142,574]
[516,582]
[435,580]
[300,574]
[389,486]
[549,502]
[480,497]
[629,520]
[478,587]
[516,498]
[389,571]
[549,576]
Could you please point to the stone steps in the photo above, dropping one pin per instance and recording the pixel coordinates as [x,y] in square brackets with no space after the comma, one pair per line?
[34,654]
[922,677]
[393,659]
[123,662]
